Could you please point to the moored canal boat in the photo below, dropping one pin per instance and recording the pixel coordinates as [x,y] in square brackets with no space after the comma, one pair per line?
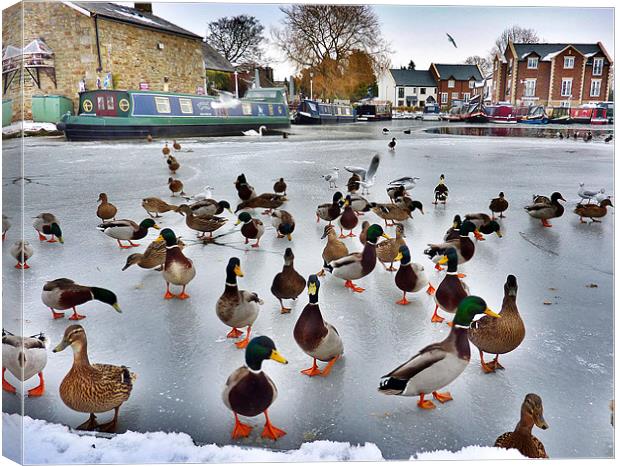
[116,114]
[536,115]
[475,111]
[431,112]
[501,114]
[373,110]
[599,116]
[312,112]
[581,114]
[559,115]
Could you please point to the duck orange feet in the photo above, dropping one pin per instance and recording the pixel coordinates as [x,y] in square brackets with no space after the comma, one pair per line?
[442,397]
[438,267]
[436,318]
[403,301]
[353,286]
[76,316]
[57,315]
[40,389]
[234,333]
[478,235]
[327,369]
[312,371]
[430,290]
[545,223]
[41,237]
[425,404]
[243,343]
[461,275]
[183,294]
[240,430]
[271,431]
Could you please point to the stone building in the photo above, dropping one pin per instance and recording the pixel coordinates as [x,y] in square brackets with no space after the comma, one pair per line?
[90,41]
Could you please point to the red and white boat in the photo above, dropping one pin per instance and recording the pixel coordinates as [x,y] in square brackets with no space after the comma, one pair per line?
[501,114]
[599,116]
[581,114]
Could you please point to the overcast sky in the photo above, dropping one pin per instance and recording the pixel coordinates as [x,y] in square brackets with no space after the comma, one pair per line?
[419,32]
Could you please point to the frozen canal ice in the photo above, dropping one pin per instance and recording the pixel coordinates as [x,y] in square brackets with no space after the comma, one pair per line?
[179,349]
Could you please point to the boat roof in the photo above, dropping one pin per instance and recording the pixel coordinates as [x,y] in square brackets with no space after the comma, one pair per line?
[173,94]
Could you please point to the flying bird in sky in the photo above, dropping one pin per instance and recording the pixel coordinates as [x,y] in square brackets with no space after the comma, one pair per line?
[451,39]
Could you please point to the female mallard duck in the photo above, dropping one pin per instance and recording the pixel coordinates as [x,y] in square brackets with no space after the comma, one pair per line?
[252,228]
[592,211]
[279,187]
[178,269]
[353,185]
[250,392]
[499,336]
[63,294]
[388,250]
[330,212]
[127,230]
[157,206]
[521,438]
[392,144]
[333,250]
[317,338]
[283,222]
[245,191]
[237,308]
[21,251]
[105,210]
[175,186]
[48,224]
[348,220]
[93,388]
[173,164]
[438,364]
[394,212]
[24,357]
[396,192]
[410,277]
[454,231]
[451,290]
[359,264]
[498,204]
[153,256]
[210,207]
[484,224]
[166,150]
[464,246]
[267,201]
[441,191]
[546,210]
[287,284]
[201,223]
[175,145]
[5,226]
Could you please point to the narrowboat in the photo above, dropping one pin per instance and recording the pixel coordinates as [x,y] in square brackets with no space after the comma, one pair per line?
[312,112]
[536,115]
[475,111]
[116,114]
[501,114]
[609,106]
[373,110]
[581,114]
[521,112]
[559,115]
[431,112]
[456,111]
[599,116]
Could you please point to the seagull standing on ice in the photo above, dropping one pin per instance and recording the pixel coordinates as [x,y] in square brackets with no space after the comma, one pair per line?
[367,175]
[207,193]
[588,195]
[332,177]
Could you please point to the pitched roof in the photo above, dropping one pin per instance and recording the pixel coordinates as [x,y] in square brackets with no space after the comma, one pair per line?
[548,51]
[413,78]
[214,61]
[459,72]
[133,16]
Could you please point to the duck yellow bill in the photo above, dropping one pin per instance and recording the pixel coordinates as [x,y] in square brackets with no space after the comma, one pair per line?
[157,227]
[290,238]
[443,260]
[159,239]
[489,312]
[117,308]
[61,346]
[62,241]
[238,271]
[498,234]
[312,288]
[386,236]
[237,222]
[277,357]
[398,257]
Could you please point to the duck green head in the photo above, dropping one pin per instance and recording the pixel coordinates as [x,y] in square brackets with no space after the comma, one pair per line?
[403,256]
[451,258]
[491,227]
[469,308]
[149,223]
[106,296]
[260,349]
[556,196]
[374,232]
[467,227]
[233,270]
[456,223]
[417,205]
[244,217]
[57,232]
[337,197]
[225,205]
[313,288]
[168,236]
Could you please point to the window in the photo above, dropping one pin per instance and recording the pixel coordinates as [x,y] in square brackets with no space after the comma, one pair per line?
[100,102]
[455,95]
[401,103]
[110,102]
[186,105]
[532,63]
[567,87]
[415,91]
[565,103]
[422,90]
[569,63]
[530,88]
[450,83]
[444,97]
[162,104]
[466,96]
[510,66]
[595,88]
[495,65]
[472,83]
[597,66]
[508,86]
[401,92]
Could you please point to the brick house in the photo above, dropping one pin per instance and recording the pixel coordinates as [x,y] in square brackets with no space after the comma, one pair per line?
[87,41]
[552,74]
[411,88]
[455,82]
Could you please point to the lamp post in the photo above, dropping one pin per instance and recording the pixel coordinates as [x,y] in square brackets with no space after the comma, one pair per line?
[311,76]
[236,84]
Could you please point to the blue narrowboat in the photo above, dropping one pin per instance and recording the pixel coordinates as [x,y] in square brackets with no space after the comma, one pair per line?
[115,114]
[536,115]
[312,112]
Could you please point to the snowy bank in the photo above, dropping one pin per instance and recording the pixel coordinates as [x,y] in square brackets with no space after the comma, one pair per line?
[54,443]
[30,128]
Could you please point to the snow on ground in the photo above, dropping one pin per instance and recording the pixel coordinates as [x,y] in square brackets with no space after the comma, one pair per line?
[53,443]
[29,128]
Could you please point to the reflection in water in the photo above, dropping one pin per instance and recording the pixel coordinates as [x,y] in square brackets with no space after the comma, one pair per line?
[511,131]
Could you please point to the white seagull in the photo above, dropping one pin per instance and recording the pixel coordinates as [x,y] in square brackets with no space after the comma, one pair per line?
[585,194]
[207,193]
[332,177]
[368,175]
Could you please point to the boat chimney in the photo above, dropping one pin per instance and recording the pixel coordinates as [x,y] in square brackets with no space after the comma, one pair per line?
[144,7]
[291,87]
[256,78]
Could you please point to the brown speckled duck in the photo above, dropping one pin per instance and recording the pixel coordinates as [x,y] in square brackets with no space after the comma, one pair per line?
[245,191]
[201,223]
[153,257]
[279,187]
[288,284]
[157,206]
[105,210]
[592,211]
[387,250]
[521,438]
[334,249]
[498,205]
[267,201]
[175,186]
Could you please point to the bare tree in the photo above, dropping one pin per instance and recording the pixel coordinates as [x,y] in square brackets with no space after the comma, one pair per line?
[514,34]
[483,63]
[411,65]
[238,38]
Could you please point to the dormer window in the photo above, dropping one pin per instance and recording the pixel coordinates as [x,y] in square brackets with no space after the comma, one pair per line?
[450,83]
[569,63]
[532,63]
[597,66]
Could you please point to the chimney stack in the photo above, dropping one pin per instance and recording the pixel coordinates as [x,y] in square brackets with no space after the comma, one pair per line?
[144,7]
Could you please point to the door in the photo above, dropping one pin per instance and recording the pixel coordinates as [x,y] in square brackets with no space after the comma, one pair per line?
[105,104]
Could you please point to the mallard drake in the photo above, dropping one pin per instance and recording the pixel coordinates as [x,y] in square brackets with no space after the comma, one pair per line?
[6,224]
[464,246]
[353,185]
[348,219]
[317,338]
[173,164]
[48,224]
[363,233]
[210,207]
[153,256]
[521,438]
[330,212]
[333,250]
[438,364]
[545,210]
[127,230]
[175,186]
[441,191]
[250,392]
[105,210]
[64,293]
[166,150]
[175,145]
[244,189]
[178,269]
[21,251]
[410,277]
[452,289]
[24,357]
[157,206]
[455,230]
[201,223]
[592,211]
[235,307]
[499,336]
[93,388]
[392,144]
[498,204]
[279,187]
[484,224]
[359,204]
[394,212]
[267,201]
[359,264]
[252,228]
[283,222]
[388,250]
[287,284]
